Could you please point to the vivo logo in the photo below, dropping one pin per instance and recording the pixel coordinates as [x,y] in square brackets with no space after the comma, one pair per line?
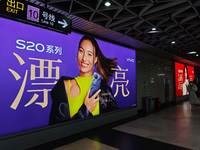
[129,59]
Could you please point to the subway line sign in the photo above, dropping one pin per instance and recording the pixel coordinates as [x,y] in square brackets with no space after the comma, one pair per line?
[27,12]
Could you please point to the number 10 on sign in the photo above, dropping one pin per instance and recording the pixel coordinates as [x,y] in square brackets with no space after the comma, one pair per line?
[33,13]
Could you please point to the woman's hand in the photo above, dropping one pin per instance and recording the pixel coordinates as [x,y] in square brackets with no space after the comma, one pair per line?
[91,102]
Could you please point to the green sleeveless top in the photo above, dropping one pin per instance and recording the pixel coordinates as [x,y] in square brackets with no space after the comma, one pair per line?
[75,103]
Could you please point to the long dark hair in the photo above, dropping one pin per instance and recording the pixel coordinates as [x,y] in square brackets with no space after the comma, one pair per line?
[185,67]
[103,65]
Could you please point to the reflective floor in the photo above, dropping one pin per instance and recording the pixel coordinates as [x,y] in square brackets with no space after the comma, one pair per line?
[173,128]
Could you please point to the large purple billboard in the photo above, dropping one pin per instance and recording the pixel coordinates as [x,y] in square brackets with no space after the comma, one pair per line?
[32,62]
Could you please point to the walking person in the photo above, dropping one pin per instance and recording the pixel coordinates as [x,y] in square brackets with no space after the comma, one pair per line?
[193,100]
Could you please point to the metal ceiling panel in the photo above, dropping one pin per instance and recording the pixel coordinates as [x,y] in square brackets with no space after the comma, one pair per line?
[128,22]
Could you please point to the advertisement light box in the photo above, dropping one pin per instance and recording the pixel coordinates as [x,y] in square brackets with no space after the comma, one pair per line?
[35,60]
[183,75]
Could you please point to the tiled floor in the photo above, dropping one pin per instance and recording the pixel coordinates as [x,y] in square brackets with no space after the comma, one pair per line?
[173,128]
[86,143]
[175,125]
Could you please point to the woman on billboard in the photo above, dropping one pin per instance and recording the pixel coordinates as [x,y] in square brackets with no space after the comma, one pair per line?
[88,94]
[186,81]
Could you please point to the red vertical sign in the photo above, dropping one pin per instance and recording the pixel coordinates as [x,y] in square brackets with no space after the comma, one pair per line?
[183,75]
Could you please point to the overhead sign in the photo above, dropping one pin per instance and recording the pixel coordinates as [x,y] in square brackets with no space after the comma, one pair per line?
[30,13]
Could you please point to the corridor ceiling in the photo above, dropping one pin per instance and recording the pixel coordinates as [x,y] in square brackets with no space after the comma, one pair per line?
[129,22]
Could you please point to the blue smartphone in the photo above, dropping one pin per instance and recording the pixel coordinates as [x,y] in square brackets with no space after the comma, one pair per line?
[96,82]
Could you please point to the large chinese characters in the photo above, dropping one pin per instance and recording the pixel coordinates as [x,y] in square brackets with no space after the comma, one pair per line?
[120,81]
[40,71]
[180,81]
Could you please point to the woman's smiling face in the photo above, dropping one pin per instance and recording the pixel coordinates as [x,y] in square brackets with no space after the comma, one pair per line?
[86,58]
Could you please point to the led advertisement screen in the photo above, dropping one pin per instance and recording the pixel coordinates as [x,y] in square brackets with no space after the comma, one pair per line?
[183,75]
[40,83]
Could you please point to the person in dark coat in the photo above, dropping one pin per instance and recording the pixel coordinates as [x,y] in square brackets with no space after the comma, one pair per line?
[193,100]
